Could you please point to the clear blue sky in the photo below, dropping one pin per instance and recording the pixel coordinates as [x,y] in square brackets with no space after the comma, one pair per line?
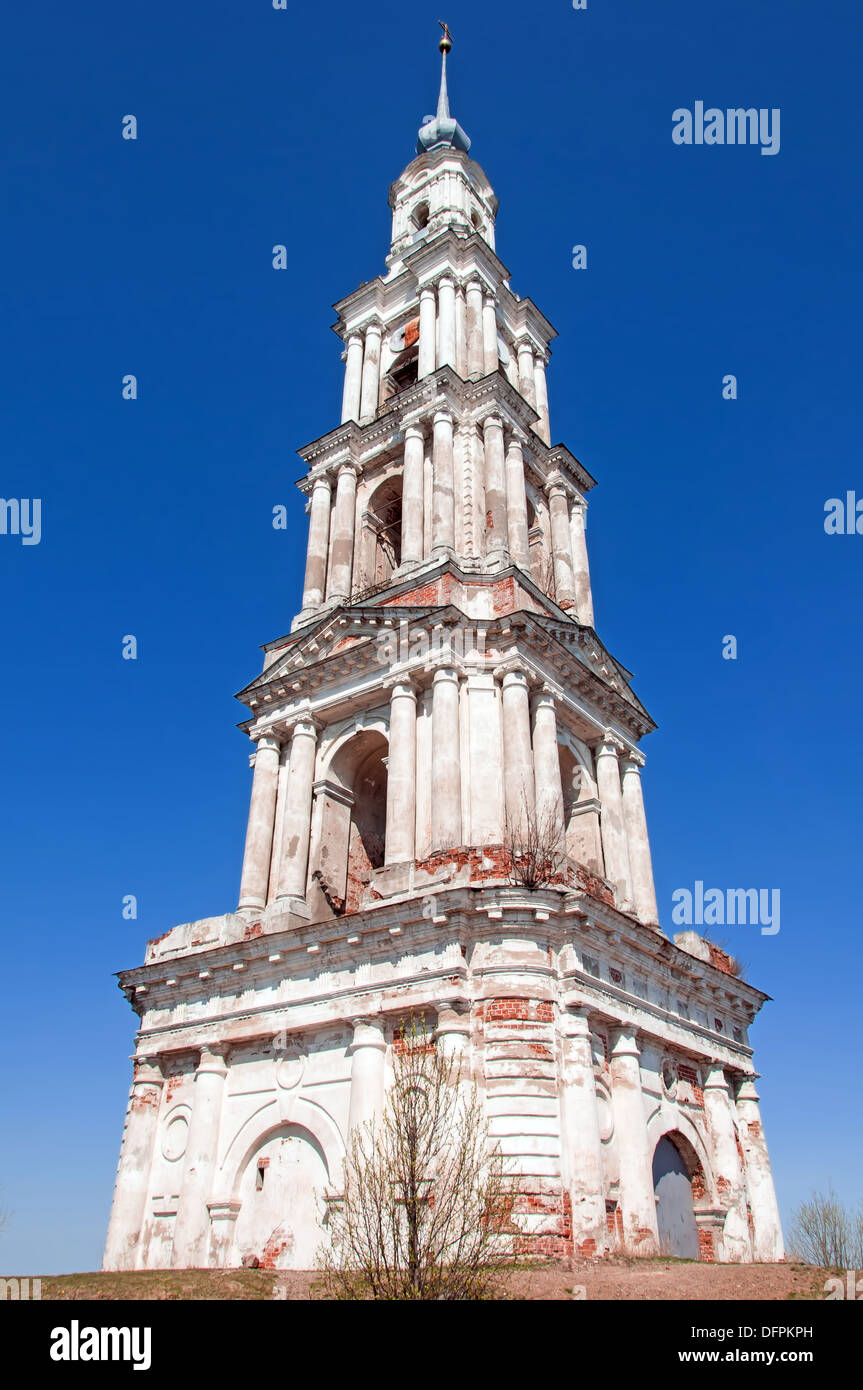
[258,126]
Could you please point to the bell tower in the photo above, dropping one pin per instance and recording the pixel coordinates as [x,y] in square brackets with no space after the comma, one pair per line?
[446,816]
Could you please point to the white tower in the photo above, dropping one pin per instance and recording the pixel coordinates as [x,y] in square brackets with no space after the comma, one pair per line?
[441,704]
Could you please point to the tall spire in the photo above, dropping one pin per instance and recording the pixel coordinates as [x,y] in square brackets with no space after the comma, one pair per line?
[442,130]
[443,99]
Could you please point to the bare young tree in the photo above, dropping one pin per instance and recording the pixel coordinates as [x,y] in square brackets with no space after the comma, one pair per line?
[426,1206]
[535,847]
[826,1233]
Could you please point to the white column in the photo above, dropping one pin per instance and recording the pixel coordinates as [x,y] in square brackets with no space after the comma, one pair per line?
[298,813]
[446,767]
[546,767]
[561,544]
[443,498]
[518,782]
[428,331]
[637,1199]
[526,381]
[485,784]
[259,831]
[489,336]
[612,830]
[452,1034]
[369,397]
[401,775]
[192,1229]
[460,331]
[353,378]
[767,1239]
[279,825]
[446,327]
[475,352]
[367,1053]
[540,386]
[581,568]
[582,1143]
[516,503]
[637,842]
[727,1166]
[424,774]
[412,496]
[344,525]
[315,583]
[128,1210]
[496,539]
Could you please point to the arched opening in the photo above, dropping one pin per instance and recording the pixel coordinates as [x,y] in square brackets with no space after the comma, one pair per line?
[420,217]
[539,550]
[384,519]
[282,1200]
[580,812]
[352,813]
[677,1178]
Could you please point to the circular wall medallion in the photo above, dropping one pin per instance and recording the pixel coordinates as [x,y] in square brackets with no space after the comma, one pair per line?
[176,1136]
[290,1066]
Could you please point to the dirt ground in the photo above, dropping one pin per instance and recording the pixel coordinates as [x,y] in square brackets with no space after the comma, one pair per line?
[614,1279]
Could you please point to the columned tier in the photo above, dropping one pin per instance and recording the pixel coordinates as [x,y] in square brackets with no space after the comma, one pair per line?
[559,1005]
[452,469]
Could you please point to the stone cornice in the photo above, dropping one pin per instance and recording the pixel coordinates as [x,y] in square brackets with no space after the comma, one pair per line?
[277,961]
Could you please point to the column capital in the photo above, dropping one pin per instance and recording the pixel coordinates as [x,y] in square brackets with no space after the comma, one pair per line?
[446,673]
[545,697]
[374,325]
[267,738]
[355,336]
[400,687]
[624,1041]
[212,1058]
[715,1079]
[576,1021]
[609,744]
[541,356]
[746,1089]
[511,674]
[347,466]
[147,1067]
[368,1032]
[321,480]
[632,760]
[414,431]
[427,291]
[453,1017]
[443,417]
[554,483]
[578,503]
[305,725]
[493,420]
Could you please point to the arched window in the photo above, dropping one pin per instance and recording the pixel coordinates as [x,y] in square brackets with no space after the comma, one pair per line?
[384,515]
[353,818]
